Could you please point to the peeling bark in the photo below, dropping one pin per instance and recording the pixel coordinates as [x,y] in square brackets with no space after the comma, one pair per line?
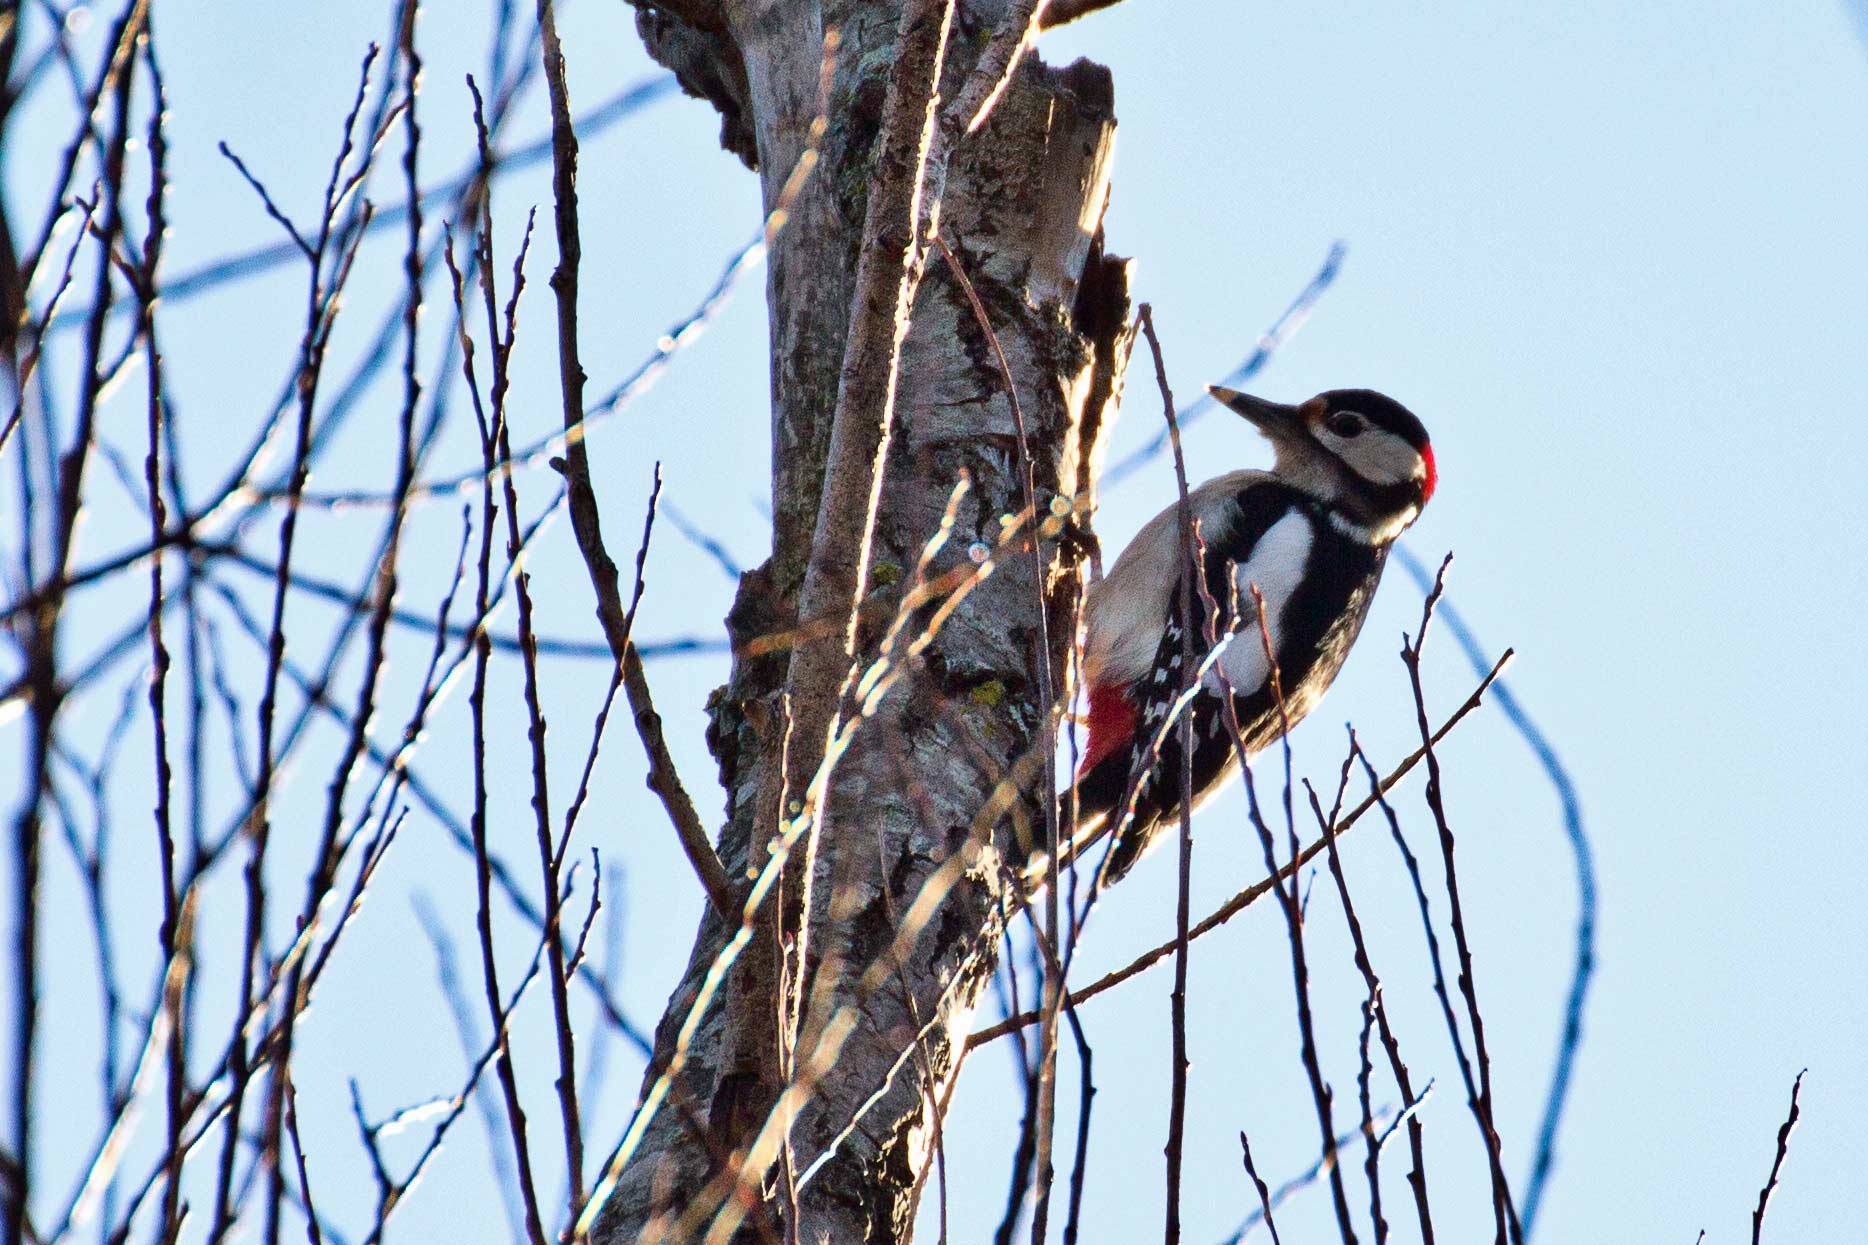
[1022,208]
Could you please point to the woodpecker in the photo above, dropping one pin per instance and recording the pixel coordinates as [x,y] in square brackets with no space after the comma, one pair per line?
[1353,469]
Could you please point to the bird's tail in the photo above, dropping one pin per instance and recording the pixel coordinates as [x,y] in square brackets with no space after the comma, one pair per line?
[1088,809]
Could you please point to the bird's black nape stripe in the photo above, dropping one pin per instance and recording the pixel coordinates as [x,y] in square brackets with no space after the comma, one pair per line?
[1384,500]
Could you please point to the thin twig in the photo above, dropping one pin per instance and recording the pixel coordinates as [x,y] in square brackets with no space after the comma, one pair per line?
[1293,907]
[1371,1161]
[272,209]
[1506,1216]
[1274,337]
[1777,1161]
[1053,988]
[323,870]
[174,943]
[489,449]
[314,1232]
[39,639]
[1570,1039]
[586,522]
[1303,1180]
[1374,1009]
[320,312]
[1190,560]
[1086,1094]
[571,375]
[1264,1192]
[1246,897]
[498,1049]
[447,975]
[213,274]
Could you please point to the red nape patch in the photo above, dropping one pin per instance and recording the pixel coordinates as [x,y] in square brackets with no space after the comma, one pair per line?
[1111,722]
[1433,474]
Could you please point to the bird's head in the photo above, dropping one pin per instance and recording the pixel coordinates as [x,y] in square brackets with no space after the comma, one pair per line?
[1357,449]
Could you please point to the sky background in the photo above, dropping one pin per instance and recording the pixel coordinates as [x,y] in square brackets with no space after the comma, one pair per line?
[1611,254]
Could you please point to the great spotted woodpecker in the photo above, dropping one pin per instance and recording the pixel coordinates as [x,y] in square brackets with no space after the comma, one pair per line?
[1353,469]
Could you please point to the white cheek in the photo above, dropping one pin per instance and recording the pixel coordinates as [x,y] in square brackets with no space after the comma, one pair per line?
[1378,457]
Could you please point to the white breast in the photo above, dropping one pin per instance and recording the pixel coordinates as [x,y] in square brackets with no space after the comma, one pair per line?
[1277,567]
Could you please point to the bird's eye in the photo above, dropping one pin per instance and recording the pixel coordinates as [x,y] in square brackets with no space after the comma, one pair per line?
[1345,423]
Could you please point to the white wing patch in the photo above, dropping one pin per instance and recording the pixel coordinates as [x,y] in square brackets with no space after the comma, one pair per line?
[1277,567]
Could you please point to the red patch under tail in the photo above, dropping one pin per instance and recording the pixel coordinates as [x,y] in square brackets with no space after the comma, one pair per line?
[1111,722]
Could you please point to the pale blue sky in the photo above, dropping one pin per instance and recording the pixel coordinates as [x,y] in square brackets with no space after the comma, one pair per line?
[1611,254]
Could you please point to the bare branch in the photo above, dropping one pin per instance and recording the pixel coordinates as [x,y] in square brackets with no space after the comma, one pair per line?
[314,1231]
[272,209]
[1257,890]
[174,939]
[489,450]
[585,520]
[1264,1192]
[1280,331]
[1777,1161]
[1189,677]
[1570,1040]
[1376,1012]
[1506,1215]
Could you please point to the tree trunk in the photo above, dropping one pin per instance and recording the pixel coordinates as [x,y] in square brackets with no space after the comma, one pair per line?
[1022,210]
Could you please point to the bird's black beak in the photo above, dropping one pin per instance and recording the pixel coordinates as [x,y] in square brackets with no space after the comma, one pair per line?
[1274,419]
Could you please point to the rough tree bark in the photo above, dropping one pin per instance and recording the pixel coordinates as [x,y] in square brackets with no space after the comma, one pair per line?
[1022,208]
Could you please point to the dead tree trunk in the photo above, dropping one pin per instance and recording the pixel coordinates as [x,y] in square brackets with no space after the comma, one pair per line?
[1021,205]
